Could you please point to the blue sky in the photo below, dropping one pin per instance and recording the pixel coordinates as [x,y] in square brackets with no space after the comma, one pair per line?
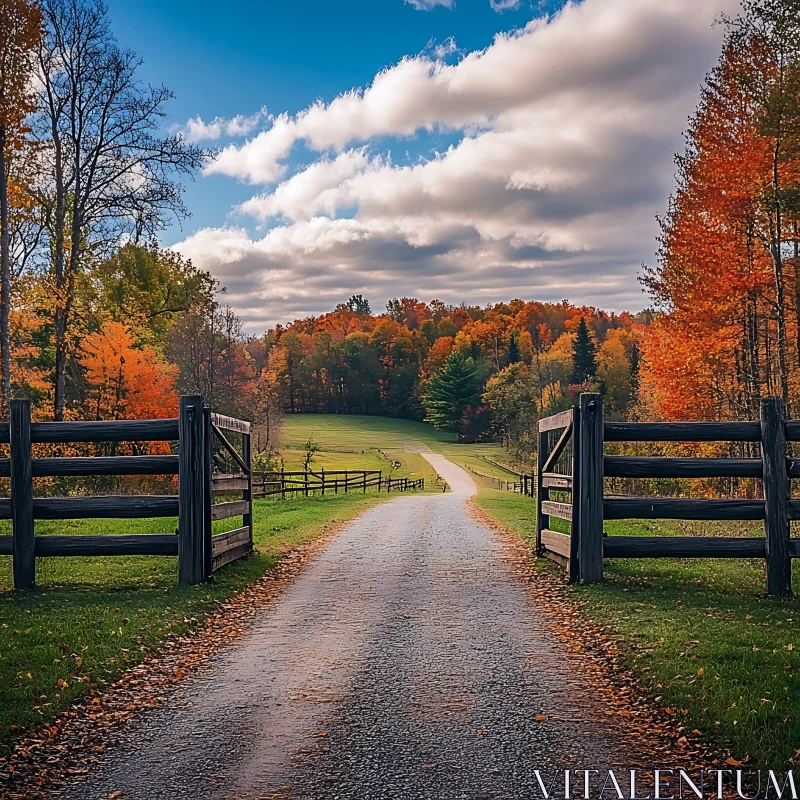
[358,150]
[221,60]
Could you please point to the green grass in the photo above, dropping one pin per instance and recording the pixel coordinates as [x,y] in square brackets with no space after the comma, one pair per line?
[93,617]
[700,635]
[355,441]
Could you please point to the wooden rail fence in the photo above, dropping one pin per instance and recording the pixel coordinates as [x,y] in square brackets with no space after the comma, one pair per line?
[308,482]
[524,484]
[581,500]
[196,430]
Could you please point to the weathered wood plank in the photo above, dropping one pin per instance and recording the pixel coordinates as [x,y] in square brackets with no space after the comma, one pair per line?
[229,484]
[683,547]
[560,510]
[224,541]
[22,504]
[776,493]
[234,554]
[561,420]
[226,510]
[671,508]
[5,467]
[110,507]
[5,508]
[129,430]
[682,432]
[553,480]
[792,430]
[794,548]
[6,545]
[111,465]
[556,558]
[635,467]
[5,432]
[557,542]
[590,507]
[153,544]
[230,423]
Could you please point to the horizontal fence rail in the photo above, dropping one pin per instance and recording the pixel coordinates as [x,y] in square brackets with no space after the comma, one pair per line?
[286,483]
[199,552]
[583,550]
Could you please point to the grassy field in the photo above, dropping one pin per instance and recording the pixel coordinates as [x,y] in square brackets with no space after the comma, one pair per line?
[360,442]
[90,618]
[700,634]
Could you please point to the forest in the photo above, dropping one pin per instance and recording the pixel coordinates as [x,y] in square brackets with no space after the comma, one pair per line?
[97,321]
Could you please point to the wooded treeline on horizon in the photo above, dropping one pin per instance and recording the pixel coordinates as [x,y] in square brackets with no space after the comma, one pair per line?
[97,321]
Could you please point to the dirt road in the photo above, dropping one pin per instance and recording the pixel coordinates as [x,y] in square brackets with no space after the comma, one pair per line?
[406,661]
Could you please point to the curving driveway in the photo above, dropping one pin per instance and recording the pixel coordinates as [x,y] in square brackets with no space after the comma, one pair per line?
[406,661]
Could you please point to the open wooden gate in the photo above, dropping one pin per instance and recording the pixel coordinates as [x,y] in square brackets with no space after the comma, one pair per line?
[557,490]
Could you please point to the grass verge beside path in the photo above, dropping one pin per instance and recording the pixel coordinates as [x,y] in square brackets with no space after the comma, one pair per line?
[91,618]
[353,441]
[700,635]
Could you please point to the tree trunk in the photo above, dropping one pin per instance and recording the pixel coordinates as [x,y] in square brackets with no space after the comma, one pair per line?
[5,276]
[777,258]
[60,315]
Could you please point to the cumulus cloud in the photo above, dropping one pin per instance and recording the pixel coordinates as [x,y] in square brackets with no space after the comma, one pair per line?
[565,133]
[505,5]
[196,130]
[429,5]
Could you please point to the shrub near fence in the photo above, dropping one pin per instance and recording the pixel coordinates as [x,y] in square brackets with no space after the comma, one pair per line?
[282,484]
[198,551]
[583,551]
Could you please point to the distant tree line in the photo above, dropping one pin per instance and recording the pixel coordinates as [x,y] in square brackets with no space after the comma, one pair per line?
[481,372]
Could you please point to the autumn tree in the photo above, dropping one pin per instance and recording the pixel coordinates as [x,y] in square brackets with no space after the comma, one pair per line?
[511,397]
[149,288]
[126,381]
[728,278]
[100,126]
[20,31]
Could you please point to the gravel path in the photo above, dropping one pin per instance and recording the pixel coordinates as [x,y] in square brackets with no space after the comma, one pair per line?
[406,661]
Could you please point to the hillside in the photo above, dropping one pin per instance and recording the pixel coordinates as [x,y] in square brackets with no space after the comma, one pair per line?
[367,442]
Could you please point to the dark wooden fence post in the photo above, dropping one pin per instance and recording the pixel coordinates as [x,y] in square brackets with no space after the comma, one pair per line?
[208,492]
[191,477]
[542,520]
[247,494]
[776,496]
[22,495]
[590,488]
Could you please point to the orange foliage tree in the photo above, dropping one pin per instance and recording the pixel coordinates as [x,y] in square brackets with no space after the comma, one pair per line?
[124,381]
[728,279]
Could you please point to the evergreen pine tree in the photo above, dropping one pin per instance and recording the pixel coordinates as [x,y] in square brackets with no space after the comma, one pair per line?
[454,388]
[584,363]
[513,349]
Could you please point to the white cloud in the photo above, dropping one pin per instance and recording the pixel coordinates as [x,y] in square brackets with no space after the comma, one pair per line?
[429,5]
[259,160]
[195,130]
[505,5]
[567,133]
